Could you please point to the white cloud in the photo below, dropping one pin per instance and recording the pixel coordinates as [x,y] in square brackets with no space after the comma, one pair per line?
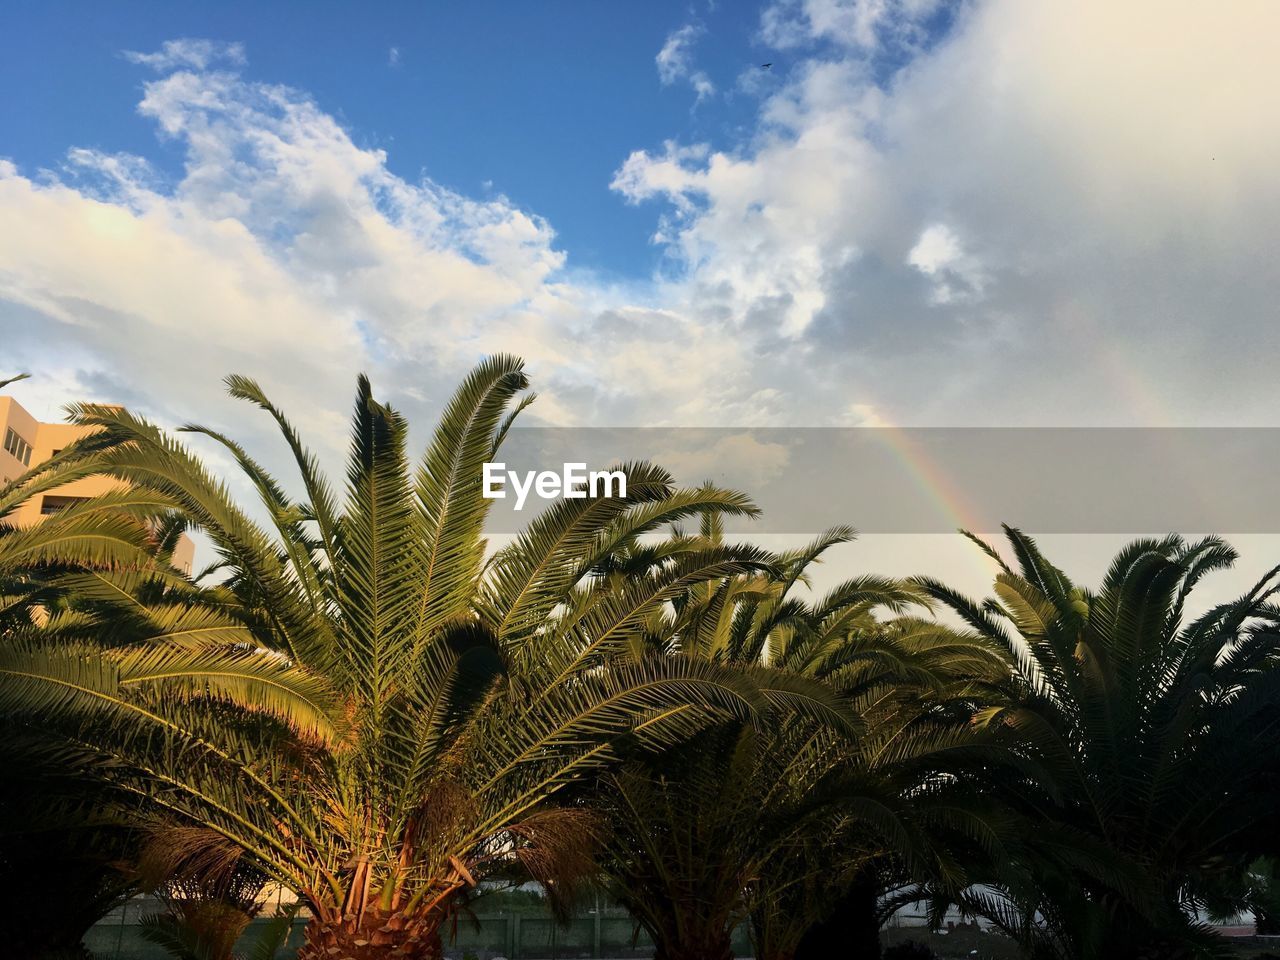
[937,249]
[859,24]
[750,461]
[1084,187]
[675,61]
[1006,217]
[1058,214]
[285,251]
[393,57]
[863,415]
[702,85]
[939,254]
[189,54]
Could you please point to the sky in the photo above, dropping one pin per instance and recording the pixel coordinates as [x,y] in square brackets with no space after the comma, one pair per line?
[997,212]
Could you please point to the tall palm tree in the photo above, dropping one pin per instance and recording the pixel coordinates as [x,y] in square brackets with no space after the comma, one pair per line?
[1157,726]
[373,711]
[60,857]
[65,844]
[734,823]
[905,804]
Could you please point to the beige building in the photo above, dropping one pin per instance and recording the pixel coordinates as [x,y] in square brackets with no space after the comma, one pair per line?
[28,442]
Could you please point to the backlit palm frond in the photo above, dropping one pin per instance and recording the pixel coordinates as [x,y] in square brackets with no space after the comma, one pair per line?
[142,455]
[79,537]
[607,626]
[1136,716]
[448,488]
[452,682]
[321,505]
[66,466]
[706,501]
[796,562]
[288,518]
[152,741]
[530,577]
[573,727]
[377,580]
[500,435]
[38,679]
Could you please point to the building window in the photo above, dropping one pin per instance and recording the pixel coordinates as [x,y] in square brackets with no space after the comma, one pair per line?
[18,447]
[53,504]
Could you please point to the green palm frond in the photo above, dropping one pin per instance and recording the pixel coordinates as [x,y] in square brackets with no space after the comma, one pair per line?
[606,626]
[529,578]
[140,454]
[362,706]
[79,537]
[288,518]
[448,489]
[1136,715]
[39,680]
[378,593]
[321,505]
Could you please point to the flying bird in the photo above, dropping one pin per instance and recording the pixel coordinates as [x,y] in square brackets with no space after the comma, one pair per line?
[765,66]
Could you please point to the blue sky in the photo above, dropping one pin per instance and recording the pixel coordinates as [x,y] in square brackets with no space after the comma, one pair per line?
[539,101]
[930,213]
[542,101]
[923,208]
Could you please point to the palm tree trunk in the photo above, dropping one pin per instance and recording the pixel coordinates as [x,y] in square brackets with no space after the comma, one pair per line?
[710,945]
[1134,936]
[377,937]
[1268,924]
[851,930]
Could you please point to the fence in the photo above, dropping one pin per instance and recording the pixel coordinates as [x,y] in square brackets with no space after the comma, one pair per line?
[604,933]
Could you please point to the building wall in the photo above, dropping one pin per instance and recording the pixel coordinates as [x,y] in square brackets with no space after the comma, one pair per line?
[13,416]
[46,439]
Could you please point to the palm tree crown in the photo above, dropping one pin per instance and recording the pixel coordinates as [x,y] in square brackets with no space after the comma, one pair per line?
[370,708]
[1156,727]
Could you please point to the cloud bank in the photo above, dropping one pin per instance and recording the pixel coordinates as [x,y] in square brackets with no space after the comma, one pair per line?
[1045,214]
[1050,214]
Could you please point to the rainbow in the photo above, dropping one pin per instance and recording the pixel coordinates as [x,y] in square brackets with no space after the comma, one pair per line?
[930,479]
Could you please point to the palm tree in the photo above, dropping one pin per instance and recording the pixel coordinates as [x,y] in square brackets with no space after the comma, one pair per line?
[206,912]
[60,858]
[371,709]
[65,845]
[743,820]
[1157,727]
[906,806]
